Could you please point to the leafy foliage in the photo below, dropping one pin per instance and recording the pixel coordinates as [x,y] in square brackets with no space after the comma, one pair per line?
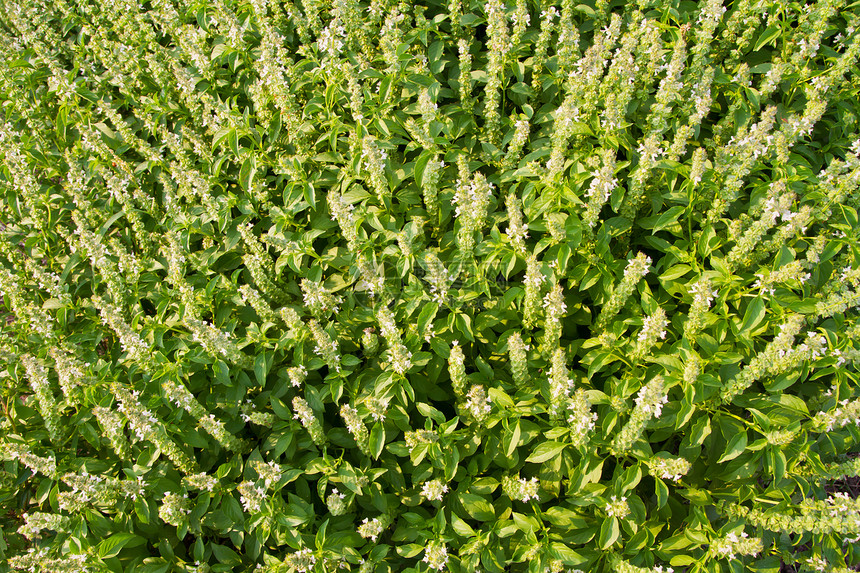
[302,286]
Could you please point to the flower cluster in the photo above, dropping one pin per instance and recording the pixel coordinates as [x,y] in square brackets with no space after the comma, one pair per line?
[518,352]
[356,427]
[252,297]
[45,466]
[147,427]
[377,407]
[343,215]
[216,342]
[439,277]
[602,184]
[837,514]
[703,295]
[498,45]
[306,416]
[652,396]
[434,490]
[179,394]
[326,348]
[732,545]
[465,74]
[174,508]
[617,507]
[335,502]
[517,231]
[401,358]
[580,417]
[259,263]
[778,356]
[131,341]
[251,495]
[414,438]
[547,27]
[430,187]
[301,561]
[269,472]
[846,413]
[318,300]
[49,408]
[653,327]
[457,369]
[471,200]
[554,306]
[34,523]
[40,560]
[649,403]
[97,489]
[374,162]
[297,375]
[112,426]
[436,555]
[560,383]
[515,147]
[478,404]
[637,268]
[667,467]
[201,481]
[533,280]
[371,528]
[520,489]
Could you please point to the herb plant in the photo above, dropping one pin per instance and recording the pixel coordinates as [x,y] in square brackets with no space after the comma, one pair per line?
[375,286]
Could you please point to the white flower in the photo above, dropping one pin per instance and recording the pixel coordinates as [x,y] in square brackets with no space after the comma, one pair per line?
[436,556]
[433,490]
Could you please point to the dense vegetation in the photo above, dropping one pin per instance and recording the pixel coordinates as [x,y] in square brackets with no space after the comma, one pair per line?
[311,286]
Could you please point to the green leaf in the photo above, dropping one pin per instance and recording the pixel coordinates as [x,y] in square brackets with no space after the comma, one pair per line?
[661,490]
[460,527]
[310,194]
[434,55]
[225,555]
[377,440]
[701,430]
[418,173]
[753,316]
[768,36]
[563,517]
[546,451]
[609,533]
[525,523]
[231,508]
[233,141]
[261,369]
[477,507]
[777,463]
[429,411]
[426,315]
[513,440]
[275,127]
[319,539]
[674,272]
[735,447]
[246,173]
[630,478]
[115,543]
[464,325]
[668,218]
[409,550]
[222,372]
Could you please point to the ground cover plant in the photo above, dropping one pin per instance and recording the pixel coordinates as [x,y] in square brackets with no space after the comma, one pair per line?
[462,285]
